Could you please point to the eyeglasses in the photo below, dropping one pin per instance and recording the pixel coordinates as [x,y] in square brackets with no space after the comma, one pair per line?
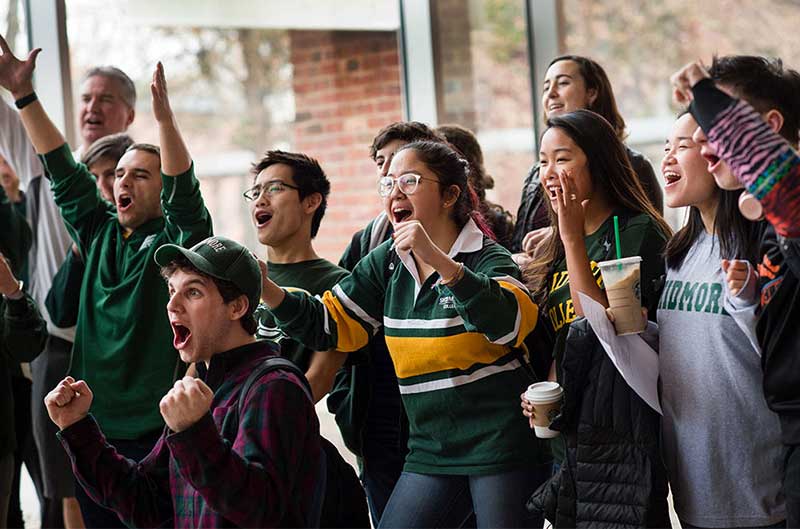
[271,188]
[407,184]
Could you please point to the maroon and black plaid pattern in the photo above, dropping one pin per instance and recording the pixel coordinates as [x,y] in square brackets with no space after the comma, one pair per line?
[258,470]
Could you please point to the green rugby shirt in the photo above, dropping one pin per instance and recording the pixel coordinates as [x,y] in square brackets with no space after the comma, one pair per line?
[453,350]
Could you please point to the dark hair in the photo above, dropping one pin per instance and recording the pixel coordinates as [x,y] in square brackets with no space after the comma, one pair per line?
[451,169]
[738,237]
[110,147]
[307,175]
[611,173]
[765,84]
[146,147]
[406,131]
[227,289]
[594,77]
[128,92]
[466,143]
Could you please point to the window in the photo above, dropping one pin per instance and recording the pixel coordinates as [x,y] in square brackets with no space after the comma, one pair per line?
[323,88]
[482,74]
[640,48]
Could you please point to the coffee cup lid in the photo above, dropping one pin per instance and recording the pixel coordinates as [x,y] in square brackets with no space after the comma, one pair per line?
[624,261]
[544,391]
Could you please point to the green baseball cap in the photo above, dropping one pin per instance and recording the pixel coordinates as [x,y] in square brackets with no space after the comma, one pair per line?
[222,258]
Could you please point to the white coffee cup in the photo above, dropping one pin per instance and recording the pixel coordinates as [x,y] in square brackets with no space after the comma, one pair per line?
[546,399]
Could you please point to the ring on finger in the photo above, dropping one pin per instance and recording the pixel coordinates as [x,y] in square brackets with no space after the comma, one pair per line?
[573,196]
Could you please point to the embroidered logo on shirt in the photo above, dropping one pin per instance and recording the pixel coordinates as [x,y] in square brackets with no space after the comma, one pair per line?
[148,241]
[447,302]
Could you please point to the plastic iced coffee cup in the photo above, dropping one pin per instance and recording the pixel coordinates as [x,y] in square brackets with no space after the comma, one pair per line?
[622,279]
[546,400]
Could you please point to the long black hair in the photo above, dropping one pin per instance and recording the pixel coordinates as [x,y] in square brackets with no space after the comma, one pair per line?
[611,173]
[738,237]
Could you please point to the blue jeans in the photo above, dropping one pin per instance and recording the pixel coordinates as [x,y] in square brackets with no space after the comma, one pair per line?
[498,500]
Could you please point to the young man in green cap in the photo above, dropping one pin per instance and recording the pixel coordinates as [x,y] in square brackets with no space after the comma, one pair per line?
[236,451]
[121,329]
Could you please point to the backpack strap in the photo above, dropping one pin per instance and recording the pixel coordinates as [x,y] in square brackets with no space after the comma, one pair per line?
[273,363]
[279,363]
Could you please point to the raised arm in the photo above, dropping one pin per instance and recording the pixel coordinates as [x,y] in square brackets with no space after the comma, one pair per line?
[187,220]
[760,158]
[175,158]
[345,317]
[17,77]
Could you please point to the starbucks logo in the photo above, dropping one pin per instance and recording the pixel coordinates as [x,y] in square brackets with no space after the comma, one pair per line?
[637,290]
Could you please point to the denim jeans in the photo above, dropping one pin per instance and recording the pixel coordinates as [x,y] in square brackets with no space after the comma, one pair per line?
[436,501]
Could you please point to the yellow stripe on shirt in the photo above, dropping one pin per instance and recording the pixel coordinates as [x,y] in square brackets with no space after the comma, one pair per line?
[351,336]
[527,311]
[414,356]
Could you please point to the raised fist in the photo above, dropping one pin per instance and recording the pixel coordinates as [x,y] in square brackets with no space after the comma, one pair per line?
[186,403]
[68,402]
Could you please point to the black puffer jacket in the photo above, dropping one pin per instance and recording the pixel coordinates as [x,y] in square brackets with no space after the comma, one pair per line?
[613,475]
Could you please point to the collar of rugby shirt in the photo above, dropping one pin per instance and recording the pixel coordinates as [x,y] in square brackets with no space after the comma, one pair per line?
[470,239]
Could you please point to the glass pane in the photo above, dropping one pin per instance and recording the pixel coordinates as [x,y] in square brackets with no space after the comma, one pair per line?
[640,48]
[482,77]
[240,88]
[14,29]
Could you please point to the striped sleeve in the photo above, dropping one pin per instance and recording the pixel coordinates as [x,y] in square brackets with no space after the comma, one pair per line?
[345,317]
[494,302]
[763,161]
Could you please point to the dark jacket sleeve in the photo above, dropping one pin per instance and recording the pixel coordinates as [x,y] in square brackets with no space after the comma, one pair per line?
[63,299]
[15,234]
[24,331]
[532,212]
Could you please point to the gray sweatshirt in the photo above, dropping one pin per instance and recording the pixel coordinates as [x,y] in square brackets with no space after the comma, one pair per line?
[721,443]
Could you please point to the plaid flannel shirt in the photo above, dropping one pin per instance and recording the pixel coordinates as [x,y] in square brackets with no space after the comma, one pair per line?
[258,470]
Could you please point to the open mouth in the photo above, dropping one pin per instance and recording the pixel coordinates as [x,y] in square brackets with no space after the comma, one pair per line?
[671,177]
[93,122]
[553,191]
[124,202]
[555,107]
[401,214]
[712,159]
[262,218]
[181,333]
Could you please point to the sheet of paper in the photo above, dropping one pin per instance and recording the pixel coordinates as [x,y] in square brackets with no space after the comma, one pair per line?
[636,361]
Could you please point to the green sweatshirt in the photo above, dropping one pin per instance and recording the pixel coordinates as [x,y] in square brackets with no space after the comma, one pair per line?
[123,341]
[459,373]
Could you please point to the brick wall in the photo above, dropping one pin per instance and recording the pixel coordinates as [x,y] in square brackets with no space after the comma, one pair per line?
[347,87]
